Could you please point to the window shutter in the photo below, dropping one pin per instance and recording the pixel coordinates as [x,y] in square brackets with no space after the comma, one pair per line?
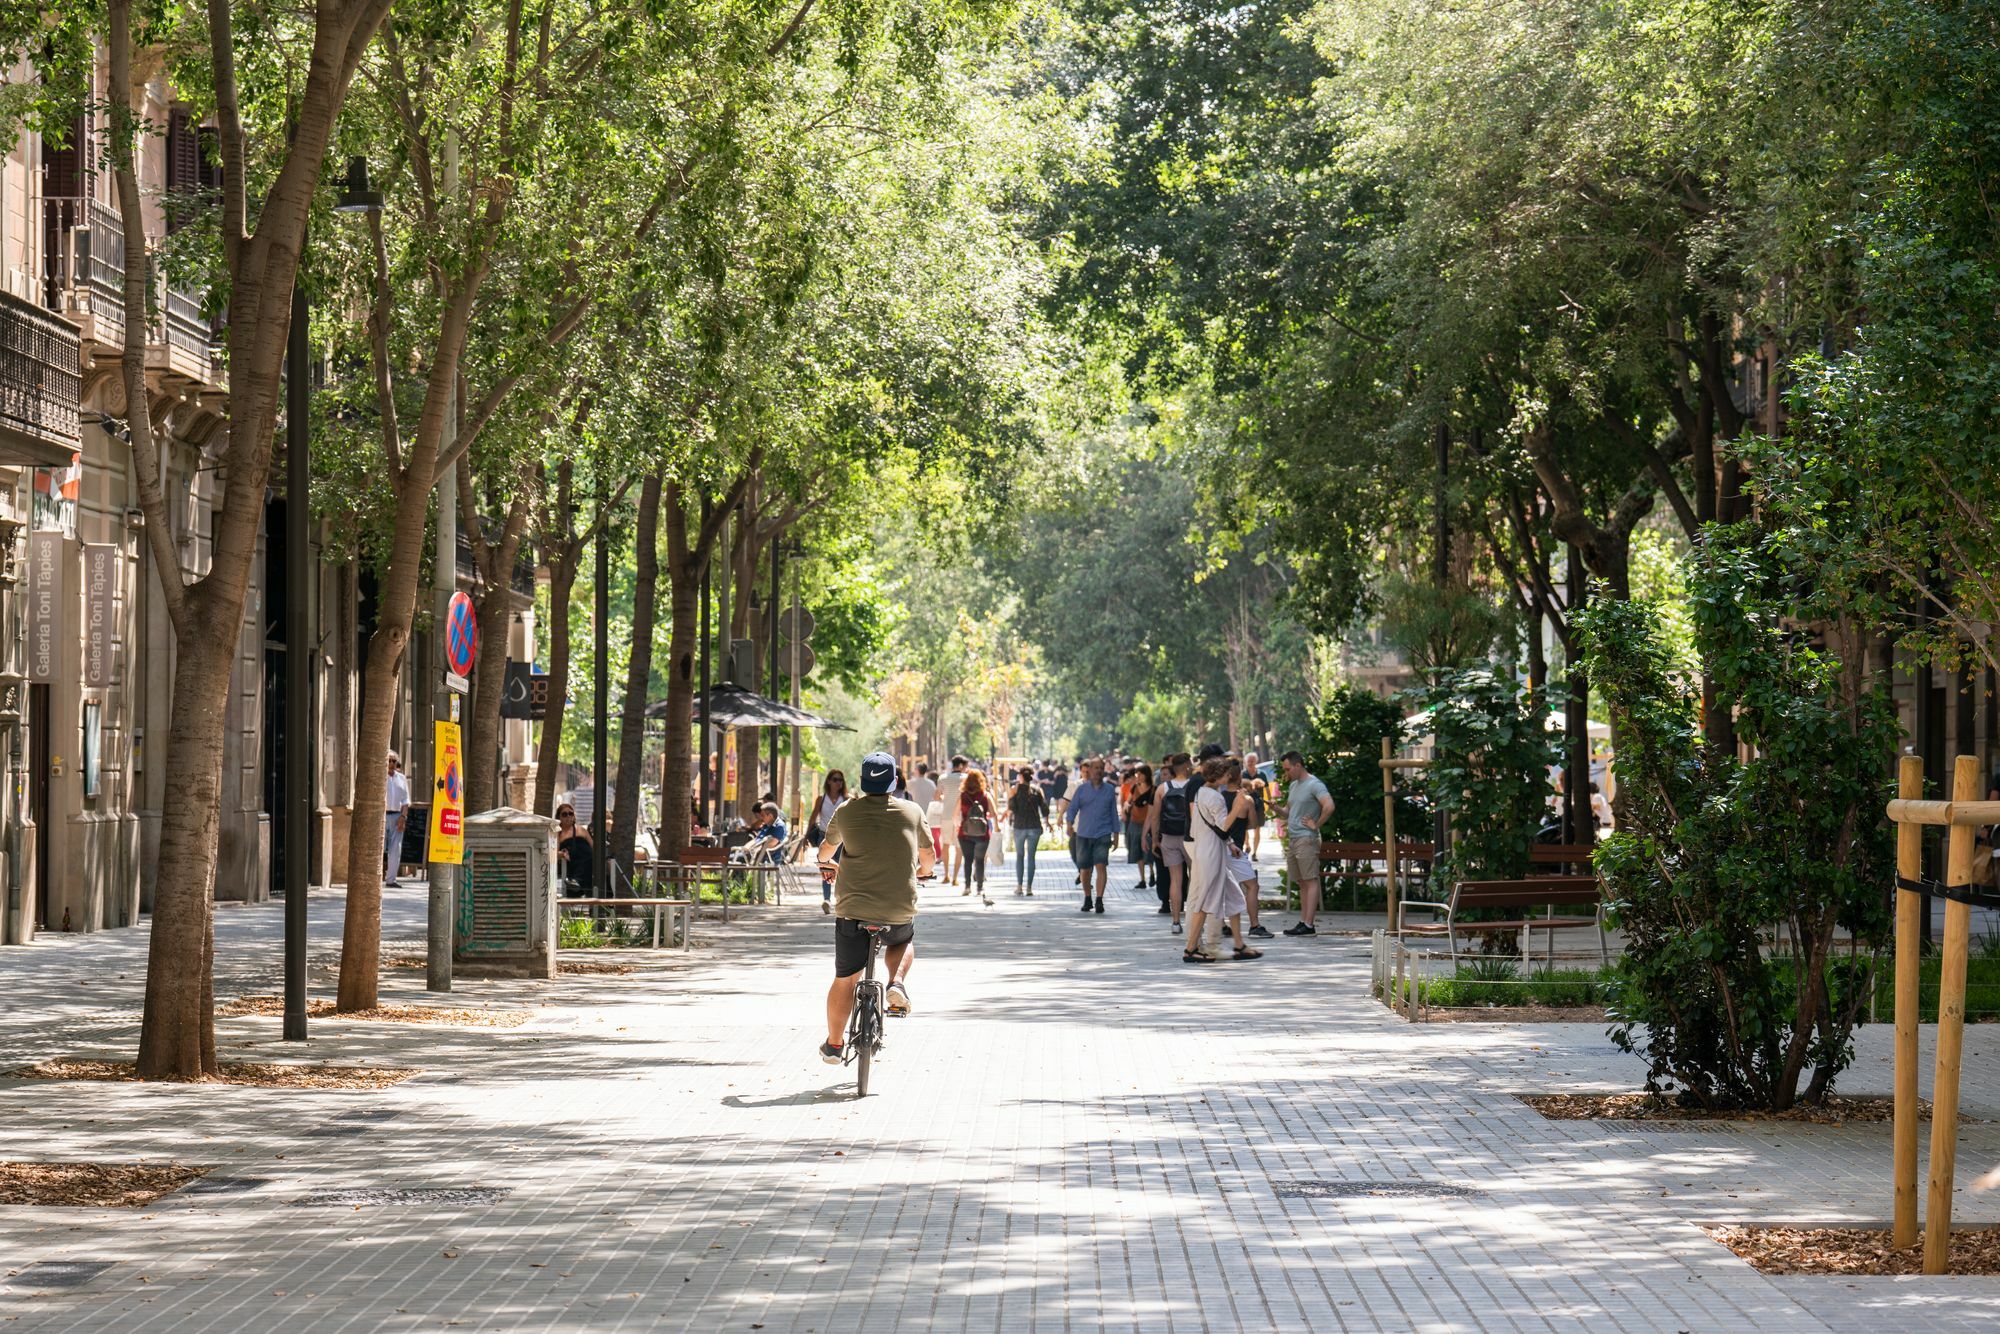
[208,158]
[183,163]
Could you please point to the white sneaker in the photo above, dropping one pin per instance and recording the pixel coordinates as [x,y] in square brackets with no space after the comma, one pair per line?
[899,999]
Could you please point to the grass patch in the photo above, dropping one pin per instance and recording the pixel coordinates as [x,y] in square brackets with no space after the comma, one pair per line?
[1501,982]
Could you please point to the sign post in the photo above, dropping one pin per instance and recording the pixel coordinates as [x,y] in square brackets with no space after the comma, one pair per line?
[446,845]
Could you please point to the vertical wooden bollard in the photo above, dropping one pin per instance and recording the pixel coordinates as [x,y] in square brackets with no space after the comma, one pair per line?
[1909,965]
[1951,1026]
[1389,832]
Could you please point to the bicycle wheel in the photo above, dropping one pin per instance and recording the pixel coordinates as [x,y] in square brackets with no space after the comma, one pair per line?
[863,1059]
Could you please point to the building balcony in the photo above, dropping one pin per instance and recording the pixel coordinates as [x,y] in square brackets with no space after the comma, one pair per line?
[85,269]
[41,385]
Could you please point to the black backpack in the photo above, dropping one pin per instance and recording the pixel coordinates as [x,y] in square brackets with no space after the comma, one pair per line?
[1174,811]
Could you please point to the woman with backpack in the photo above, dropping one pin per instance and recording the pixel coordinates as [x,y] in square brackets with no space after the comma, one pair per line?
[975,831]
[1167,829]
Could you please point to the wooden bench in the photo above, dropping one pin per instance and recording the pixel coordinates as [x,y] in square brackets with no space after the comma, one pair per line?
[1542,891]
[1368,862]
[1570,856]
[677,915]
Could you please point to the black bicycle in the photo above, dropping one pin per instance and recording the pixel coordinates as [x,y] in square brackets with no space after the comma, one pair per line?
[864,1027]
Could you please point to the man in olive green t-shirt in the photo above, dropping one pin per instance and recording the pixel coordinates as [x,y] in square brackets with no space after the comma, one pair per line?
[871,848]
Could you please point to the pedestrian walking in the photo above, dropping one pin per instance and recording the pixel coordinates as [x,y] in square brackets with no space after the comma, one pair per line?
[949,788]
[832,796]
[1307,806]
[975,831]
[1028,809]
[1092,820]
[1138,810]
[396,815]
[923,790]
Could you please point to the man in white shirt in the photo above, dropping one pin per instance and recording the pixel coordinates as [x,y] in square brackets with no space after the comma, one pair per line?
[947,794]
[923,788]
[394,814]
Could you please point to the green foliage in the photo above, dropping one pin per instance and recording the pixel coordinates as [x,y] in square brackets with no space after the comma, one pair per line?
[1498,981]
[1490,773]
[1160,723]
[1345,751]
[1440,628]
[1714,855]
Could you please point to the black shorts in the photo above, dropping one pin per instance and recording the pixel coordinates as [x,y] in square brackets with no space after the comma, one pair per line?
[850,944]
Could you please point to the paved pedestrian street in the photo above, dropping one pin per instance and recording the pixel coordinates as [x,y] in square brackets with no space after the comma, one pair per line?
[1075,1132]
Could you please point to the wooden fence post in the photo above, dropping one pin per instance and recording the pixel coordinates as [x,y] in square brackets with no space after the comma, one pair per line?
[1909,965]
[1951,1026]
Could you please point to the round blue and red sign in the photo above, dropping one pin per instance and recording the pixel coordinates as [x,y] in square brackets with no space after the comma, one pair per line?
[461,635]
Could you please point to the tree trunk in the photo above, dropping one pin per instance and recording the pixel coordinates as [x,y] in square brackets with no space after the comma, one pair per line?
[177,1037]
[388,647]
[548,750]
[684,597]
[638,675]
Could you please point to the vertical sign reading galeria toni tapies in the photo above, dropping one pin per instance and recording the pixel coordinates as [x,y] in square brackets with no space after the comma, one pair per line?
[100,589]
[45,605]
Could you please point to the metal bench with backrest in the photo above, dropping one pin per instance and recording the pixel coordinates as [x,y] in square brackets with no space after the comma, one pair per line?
[1514,896]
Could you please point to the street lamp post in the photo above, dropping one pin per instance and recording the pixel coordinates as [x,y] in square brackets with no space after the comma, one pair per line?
[301,740]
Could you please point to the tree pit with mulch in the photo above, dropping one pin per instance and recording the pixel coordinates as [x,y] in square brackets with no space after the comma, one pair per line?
[1847,1252]
[92,1185]
[390,1014]
[1834,1111]
[249,1074]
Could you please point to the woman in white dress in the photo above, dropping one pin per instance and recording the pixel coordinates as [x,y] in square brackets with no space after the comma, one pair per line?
[1213,892]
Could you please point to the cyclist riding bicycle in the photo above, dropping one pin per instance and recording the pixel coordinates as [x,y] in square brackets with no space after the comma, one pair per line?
[877,837]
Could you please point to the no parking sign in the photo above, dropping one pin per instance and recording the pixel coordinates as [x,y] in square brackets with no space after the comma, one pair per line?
[461,639]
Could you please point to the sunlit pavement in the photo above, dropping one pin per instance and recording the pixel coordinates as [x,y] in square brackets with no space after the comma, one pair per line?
[1075,1132]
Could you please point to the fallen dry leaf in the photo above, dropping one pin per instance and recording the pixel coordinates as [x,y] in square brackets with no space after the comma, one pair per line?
[1846,1250]
[1645,1107]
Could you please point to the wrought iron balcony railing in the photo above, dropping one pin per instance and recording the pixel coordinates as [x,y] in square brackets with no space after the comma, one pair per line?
[41,384]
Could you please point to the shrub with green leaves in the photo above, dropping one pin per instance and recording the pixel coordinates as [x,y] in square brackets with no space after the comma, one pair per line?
[1714,855]
[1345,751]
[1490,771]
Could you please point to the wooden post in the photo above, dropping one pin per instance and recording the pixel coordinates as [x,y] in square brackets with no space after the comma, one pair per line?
[1389,831]
[1909,944]
[1951,1026]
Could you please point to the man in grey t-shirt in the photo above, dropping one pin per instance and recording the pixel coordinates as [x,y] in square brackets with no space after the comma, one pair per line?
[1307,805]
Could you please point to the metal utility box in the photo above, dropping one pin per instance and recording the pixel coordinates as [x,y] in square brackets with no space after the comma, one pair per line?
[507,896]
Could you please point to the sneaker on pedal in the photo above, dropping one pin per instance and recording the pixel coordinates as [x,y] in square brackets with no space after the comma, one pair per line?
[1300,929]
[830,1054]
[899,999]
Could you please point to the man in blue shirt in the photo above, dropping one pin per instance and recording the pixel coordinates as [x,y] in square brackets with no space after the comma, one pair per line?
[1092,818]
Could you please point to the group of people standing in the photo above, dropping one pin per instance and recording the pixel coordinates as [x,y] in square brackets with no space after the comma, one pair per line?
[1193,825]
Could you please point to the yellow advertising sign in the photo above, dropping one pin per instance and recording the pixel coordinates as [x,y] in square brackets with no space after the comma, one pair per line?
[729,768]
[447,842]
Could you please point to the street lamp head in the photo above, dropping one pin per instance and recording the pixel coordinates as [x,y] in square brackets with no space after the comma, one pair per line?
[355,196]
